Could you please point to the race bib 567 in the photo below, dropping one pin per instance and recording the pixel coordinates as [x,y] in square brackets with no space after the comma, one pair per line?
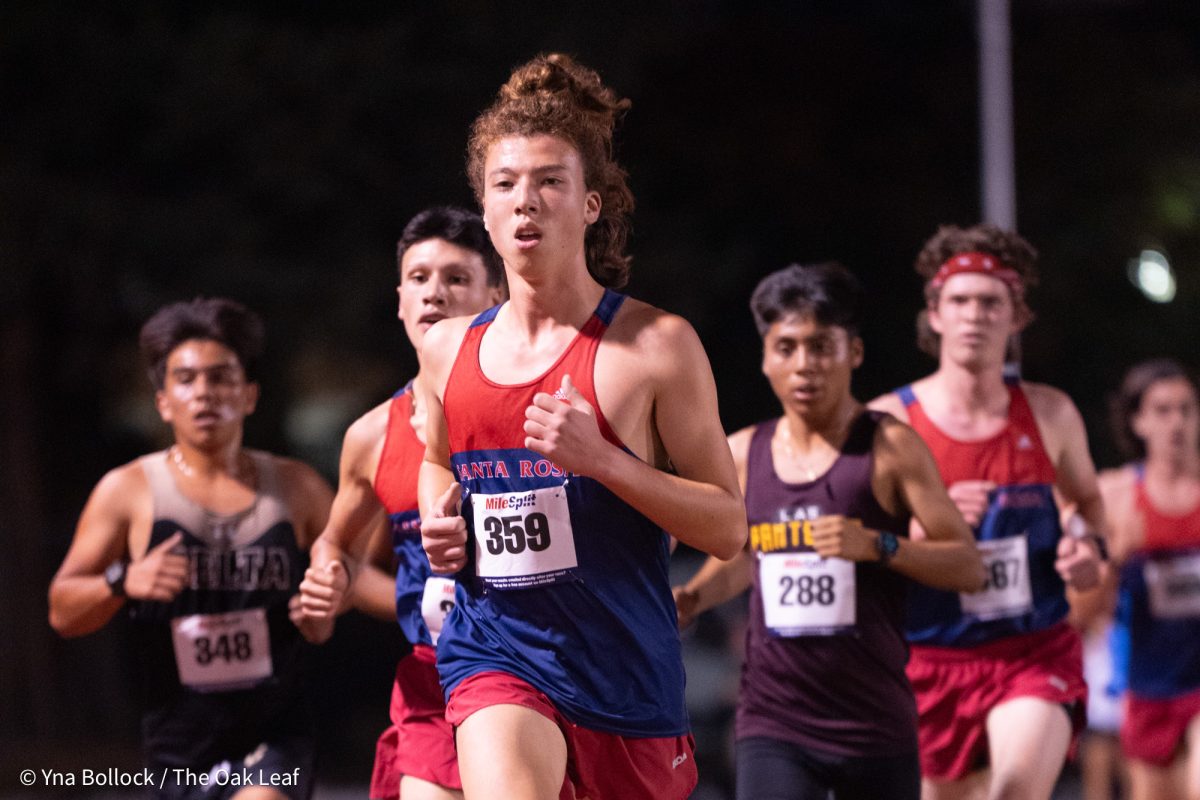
[1007,592]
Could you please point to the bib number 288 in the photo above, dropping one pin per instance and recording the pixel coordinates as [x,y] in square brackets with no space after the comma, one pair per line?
[806,590]
[806,595]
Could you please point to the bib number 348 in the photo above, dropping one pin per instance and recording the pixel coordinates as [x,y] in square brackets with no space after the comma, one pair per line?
[220,651]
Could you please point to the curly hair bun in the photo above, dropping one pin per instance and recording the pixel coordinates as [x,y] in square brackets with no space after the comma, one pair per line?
[557,74]
[553,95]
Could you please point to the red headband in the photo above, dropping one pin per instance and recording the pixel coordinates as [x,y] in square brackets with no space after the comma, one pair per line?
[982,263]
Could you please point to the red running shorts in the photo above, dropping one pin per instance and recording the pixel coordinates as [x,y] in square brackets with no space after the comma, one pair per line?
[599,765]
[420,742]
[957,687]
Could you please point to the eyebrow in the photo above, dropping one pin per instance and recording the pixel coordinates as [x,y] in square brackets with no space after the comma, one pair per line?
[209,368]
[536,170]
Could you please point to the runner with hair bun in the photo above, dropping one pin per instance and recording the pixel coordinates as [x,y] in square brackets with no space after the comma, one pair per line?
[568,430]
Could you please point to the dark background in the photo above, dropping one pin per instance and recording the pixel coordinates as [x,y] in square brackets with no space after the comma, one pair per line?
[151,152]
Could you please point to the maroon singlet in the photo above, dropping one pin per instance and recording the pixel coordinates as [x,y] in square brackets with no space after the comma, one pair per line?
[842,689]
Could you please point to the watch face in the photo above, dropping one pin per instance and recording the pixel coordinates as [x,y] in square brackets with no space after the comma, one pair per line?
[888,545]
[114,575]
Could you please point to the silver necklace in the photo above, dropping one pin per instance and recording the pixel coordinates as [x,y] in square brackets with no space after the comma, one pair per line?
[180,462]
[243,470]
[794,459]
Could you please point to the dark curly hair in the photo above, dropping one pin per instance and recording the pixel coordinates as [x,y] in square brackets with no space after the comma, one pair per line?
[1008,246]
[1125,403]
[827,291]
[553,95]
[212,318]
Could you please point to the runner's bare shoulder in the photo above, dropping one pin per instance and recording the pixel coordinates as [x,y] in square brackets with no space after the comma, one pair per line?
[657,337]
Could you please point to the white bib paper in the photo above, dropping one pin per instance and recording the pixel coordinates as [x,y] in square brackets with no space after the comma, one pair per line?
[1174,586]
[222,651]
[1007,592]
[807,595]
[524,539]
[436,602]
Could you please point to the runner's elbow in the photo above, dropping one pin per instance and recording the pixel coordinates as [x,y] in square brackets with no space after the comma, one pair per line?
[65,625]
[732,536]
[974,576]
[67,621]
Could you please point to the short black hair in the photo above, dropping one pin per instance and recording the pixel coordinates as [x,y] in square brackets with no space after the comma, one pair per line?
[213,318]
[827,291]
[457,226]
[1125,403]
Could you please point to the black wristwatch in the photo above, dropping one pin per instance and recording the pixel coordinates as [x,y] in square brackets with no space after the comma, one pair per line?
[886,545]
[114,576]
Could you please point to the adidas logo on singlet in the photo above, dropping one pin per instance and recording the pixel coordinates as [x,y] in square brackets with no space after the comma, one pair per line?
[679,759]
[1024,443]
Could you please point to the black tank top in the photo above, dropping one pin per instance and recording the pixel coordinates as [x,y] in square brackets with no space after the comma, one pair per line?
[223,668]
[829,673]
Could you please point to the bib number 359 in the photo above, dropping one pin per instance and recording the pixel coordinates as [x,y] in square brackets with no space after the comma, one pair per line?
[524,539]
[514,534]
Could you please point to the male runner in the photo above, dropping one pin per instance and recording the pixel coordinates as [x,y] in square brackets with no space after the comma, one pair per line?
[998,674]
[554,419]
[1154,513]
[447,267]
[824,704]
[205,543]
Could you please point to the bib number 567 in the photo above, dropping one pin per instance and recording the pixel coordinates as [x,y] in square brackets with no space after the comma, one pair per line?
[1002,573]
[515,534]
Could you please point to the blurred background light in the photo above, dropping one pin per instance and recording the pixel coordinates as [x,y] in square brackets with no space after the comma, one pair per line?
[1151,273]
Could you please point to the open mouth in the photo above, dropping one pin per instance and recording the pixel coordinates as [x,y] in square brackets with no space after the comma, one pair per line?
[426,320]
[528,237]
